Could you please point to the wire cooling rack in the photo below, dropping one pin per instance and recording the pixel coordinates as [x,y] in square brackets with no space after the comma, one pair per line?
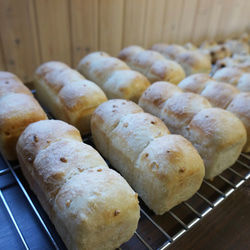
[25,225]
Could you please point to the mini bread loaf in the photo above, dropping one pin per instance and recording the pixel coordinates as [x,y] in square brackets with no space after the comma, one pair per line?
[164,169]
[91,205]
[152,64]
[67,94]
[237,61]
[234,76]
[192,61]
[113,76]
[216,51]
[217,134]
[221,95]
[18,108]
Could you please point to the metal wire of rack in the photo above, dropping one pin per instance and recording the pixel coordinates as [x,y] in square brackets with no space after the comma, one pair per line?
[25,225]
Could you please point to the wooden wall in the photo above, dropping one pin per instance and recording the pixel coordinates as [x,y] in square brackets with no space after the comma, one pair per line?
[36,31]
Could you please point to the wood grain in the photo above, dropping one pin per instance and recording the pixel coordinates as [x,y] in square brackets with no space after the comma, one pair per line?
[32,32]
[134,22]
[154,19]
[110,26]
[202,17]
[84,28]
[2,64]
[53,24]
[216,7]
[172,20]
[19,38]
[187,22]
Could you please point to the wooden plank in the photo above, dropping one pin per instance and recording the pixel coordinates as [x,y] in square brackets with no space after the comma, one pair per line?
[84,28]
[171,21]
[224,29]
[19,38]
[154,22]
[238,24]
[187,21]
[134,22]
[200,23]
[54,30]
[2,64]
[215,13]
[110,29]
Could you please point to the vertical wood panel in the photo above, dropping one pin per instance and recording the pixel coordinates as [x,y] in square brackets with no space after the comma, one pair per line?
[172,20]
[84,28]
[54,30]
[215,13]
[187,21]
[19,38]
[110,26]
[227,17]
[2,64]
[134,22]
[154,22]
[200,23]
[237,24]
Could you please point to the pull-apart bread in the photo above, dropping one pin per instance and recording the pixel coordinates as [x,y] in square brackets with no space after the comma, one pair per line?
[217,134]
[91,205]
[67,94]
[113,76]
[221,95]
[18,108]
[192,61]
[234,76]
[152,64]
[164,169]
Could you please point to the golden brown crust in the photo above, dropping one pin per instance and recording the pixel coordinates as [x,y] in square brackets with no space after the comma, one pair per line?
[122,132]
[219,94]
[154,98]
[152,64]
[218,146]
[114,76]
[222,95]
[91,206]
[240,106]
[192,61]
[195,83]
[67,94]
[18,108]
[229,75]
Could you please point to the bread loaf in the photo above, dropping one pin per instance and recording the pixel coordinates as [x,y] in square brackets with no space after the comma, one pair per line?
[221,95]
[217,134]
[234,76]
[164,169]
[18,108]
[216,51]
[240,62]
[192,61]
[67,94]
[91,205]
[113,76]
[152,64]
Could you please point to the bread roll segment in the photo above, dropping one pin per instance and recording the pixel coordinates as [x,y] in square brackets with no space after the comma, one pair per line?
[152,64]
[67,94]
[91,205]
[113,76]
[218,135]
[221,95]
[163,169]
[18,108]
[192,61]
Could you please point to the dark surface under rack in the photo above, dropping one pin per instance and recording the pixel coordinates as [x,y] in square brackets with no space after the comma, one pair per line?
[25,225]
